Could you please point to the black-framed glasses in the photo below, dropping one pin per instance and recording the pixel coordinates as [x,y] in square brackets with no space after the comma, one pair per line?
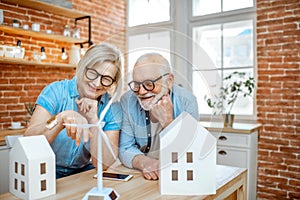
[105,80]
[148,85]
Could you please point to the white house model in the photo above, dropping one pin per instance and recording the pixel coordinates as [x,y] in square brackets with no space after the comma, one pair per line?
[187,158]
[32,168]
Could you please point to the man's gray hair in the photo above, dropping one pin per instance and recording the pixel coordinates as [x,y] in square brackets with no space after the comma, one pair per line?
[155,58]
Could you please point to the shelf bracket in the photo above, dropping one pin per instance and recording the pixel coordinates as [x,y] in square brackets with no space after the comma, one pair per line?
[90,30]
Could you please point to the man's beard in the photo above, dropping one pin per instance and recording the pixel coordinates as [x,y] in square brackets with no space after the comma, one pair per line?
[149,104]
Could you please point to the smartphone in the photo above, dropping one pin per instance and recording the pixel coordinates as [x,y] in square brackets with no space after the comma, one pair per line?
[115,176]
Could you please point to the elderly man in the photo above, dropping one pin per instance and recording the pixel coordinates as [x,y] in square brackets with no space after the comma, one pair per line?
[153,102]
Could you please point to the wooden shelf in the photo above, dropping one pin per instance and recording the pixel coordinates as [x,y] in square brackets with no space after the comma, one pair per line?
[22,32]
[39,5]
[18,61]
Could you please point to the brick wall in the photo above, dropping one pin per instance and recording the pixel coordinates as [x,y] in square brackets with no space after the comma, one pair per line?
[21,84]
[278,98]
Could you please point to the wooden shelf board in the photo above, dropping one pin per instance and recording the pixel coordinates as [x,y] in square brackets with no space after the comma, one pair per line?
[20,31]
[19,61]
[39,5]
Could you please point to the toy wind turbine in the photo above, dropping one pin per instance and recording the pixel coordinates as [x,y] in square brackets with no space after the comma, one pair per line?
[99,192]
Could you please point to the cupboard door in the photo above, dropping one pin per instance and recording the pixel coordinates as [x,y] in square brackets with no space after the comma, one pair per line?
[233,139]
[233,157]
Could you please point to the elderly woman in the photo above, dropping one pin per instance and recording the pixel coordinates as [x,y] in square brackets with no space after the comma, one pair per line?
[81,101]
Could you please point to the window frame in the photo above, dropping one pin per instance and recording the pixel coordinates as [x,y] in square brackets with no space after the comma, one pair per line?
[221,18]
[148,28]
[184,47]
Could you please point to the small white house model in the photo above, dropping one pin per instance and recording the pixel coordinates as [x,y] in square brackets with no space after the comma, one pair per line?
[187,158]
[32,168]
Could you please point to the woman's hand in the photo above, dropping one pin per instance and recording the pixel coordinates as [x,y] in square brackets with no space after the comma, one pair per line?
[88,108]
[76,132]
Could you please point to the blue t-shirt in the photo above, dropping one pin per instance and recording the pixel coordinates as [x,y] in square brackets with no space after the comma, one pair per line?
[62,95]
[134,129]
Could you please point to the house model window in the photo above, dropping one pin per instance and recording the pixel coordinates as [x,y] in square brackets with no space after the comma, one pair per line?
[189,157]
[174,157]
[174,175]
[22,173]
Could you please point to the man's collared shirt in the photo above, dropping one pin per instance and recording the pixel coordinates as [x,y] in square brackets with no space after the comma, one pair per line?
[134,131]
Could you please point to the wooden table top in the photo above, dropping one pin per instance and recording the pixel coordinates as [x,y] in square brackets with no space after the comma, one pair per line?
[6,132]
[76,186]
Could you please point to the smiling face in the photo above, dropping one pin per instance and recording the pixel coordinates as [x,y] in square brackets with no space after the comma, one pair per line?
[99,60]
[93,88]
[150,69]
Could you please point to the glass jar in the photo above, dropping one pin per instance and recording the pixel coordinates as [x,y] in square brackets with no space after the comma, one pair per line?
[67,31]
[76,32]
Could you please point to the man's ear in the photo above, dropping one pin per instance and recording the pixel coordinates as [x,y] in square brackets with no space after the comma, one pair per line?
[170,80]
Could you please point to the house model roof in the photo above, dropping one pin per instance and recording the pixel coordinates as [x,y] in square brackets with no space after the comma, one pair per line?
[35,147]
[184,132]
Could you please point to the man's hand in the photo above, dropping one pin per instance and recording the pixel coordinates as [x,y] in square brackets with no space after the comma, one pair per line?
[148,166]
[163,111]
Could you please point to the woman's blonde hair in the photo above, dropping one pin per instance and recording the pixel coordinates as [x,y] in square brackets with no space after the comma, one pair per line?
[100,53]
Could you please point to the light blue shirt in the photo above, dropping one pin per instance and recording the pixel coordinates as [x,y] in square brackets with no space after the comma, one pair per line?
[61,95]
[134,130]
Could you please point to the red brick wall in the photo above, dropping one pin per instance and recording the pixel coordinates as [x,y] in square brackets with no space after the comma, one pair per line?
[278,98]
[21,84]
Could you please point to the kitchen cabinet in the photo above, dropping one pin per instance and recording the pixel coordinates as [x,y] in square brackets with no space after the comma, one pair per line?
[4,169]
[237,146]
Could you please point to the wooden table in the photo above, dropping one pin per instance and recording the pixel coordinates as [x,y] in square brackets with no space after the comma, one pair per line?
[231,184]
[6,132]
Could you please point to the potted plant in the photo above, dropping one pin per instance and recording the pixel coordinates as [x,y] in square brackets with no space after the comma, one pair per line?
[235,85]
[29,108]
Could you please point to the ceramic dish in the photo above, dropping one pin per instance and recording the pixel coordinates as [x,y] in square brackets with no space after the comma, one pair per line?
[15,128]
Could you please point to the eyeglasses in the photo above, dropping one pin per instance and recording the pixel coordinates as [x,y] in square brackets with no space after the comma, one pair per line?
[148,85]
[105,80]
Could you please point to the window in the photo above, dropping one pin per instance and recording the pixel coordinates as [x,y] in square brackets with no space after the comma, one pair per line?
[219,50]
[16,167]
[223,42]
[189,157]
[22,169]
[189,175]
[174,157]
[42,168]
[218,39]
[174,175]
[16,184]
[23,186]
[148,29]
[140,44]
[43,185]
[205,7]
[148,11]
